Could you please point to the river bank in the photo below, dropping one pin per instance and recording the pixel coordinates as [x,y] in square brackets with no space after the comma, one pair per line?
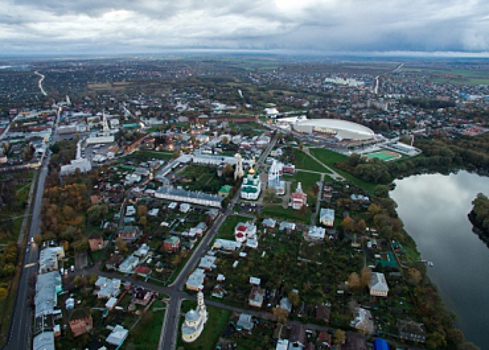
[434,211]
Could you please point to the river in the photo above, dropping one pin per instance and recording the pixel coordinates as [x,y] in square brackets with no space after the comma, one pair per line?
[434,210]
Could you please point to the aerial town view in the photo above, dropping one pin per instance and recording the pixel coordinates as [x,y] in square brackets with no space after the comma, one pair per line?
[240,198]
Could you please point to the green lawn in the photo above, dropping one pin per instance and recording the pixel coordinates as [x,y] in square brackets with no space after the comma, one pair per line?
[327,157]
[218,320]
[146,334]
[330,158]
[307,181]
[227,228]
[278,212]
[304,161]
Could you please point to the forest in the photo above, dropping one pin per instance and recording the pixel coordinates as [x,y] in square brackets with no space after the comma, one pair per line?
[479,217]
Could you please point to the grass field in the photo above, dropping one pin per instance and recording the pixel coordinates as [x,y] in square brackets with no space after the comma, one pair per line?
[146,334]
[307,181]
[218,320]
[453,76]
[383,155]
[227,228]
[304,161]
[330,158]
[278,212]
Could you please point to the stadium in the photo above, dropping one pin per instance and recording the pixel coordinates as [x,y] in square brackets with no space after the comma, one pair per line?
[334,131]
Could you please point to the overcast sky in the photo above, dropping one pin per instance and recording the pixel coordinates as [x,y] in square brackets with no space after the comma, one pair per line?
[328,26]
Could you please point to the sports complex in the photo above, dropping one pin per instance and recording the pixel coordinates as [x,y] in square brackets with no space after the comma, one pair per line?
[341,133]
[383,155]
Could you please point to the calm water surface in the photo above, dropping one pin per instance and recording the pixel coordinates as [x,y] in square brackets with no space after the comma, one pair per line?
[434,210]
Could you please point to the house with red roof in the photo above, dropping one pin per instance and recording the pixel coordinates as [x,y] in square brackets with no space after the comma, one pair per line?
[244,231]
[298,199]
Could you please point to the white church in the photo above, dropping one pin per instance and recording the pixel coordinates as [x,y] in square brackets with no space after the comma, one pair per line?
[195,321]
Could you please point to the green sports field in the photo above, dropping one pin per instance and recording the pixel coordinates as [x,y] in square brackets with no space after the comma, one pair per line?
[383,155]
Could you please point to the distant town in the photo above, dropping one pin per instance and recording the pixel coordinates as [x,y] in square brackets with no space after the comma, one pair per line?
[225,203]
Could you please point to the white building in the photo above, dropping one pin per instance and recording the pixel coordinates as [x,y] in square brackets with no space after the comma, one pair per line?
[83,164]
[363,320]
[316,233]
[43,341]
[226,244]
[195,281]
[107,287]
[118,335]
[129,264]
[251,186]
[274,181]
[201,198]
[378,285]
[49,257]
[244,231]
[326,217]
[195,321]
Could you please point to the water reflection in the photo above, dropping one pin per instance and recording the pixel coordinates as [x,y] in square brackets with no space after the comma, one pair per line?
[434,210]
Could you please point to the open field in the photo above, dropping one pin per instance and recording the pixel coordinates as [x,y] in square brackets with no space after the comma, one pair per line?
[330,158]
[146,334]
[304,161]
[278,212]
[227,228]
[218,320]
[452,76]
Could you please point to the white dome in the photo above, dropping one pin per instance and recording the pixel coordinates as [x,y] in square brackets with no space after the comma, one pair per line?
[344,130]
[191,316]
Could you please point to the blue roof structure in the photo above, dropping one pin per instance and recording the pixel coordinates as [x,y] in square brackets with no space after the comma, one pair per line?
[380,344]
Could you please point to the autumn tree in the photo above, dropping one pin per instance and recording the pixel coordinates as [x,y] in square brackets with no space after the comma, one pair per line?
[3,293]
[294,298]
[339,338]
[38,239]
[227,171]
[414,276]
[348,224]
[361,226]
[373,209]
[354,281]
[121,245]
[142,210]
[365,276]
[93,279]
[280,314]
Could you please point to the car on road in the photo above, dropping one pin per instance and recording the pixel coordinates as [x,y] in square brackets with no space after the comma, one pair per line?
[72,268]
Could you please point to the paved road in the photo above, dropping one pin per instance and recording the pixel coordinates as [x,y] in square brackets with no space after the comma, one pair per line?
[20,328]
[169,330]
[40,83]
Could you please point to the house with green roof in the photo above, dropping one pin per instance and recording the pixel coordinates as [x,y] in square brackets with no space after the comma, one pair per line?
[251,187]
[224,191]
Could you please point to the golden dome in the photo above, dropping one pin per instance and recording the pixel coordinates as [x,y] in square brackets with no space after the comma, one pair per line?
[251,171]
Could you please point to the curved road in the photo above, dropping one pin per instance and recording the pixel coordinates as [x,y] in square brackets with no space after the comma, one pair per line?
[40,83]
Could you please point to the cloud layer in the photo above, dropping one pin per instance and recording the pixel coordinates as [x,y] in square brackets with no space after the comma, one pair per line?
[128,26]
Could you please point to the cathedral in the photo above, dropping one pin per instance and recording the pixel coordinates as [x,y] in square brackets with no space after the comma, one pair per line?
[195,320]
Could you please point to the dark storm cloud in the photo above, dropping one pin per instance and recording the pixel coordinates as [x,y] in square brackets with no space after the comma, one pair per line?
[312,25]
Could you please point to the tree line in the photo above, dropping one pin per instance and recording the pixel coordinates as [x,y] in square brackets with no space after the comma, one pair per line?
[440,154]
[479,217]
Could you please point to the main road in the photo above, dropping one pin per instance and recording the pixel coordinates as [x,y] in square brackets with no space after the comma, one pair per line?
[168,338]
[20,331]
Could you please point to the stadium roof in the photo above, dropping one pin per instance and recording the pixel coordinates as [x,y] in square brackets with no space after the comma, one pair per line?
[345,130]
